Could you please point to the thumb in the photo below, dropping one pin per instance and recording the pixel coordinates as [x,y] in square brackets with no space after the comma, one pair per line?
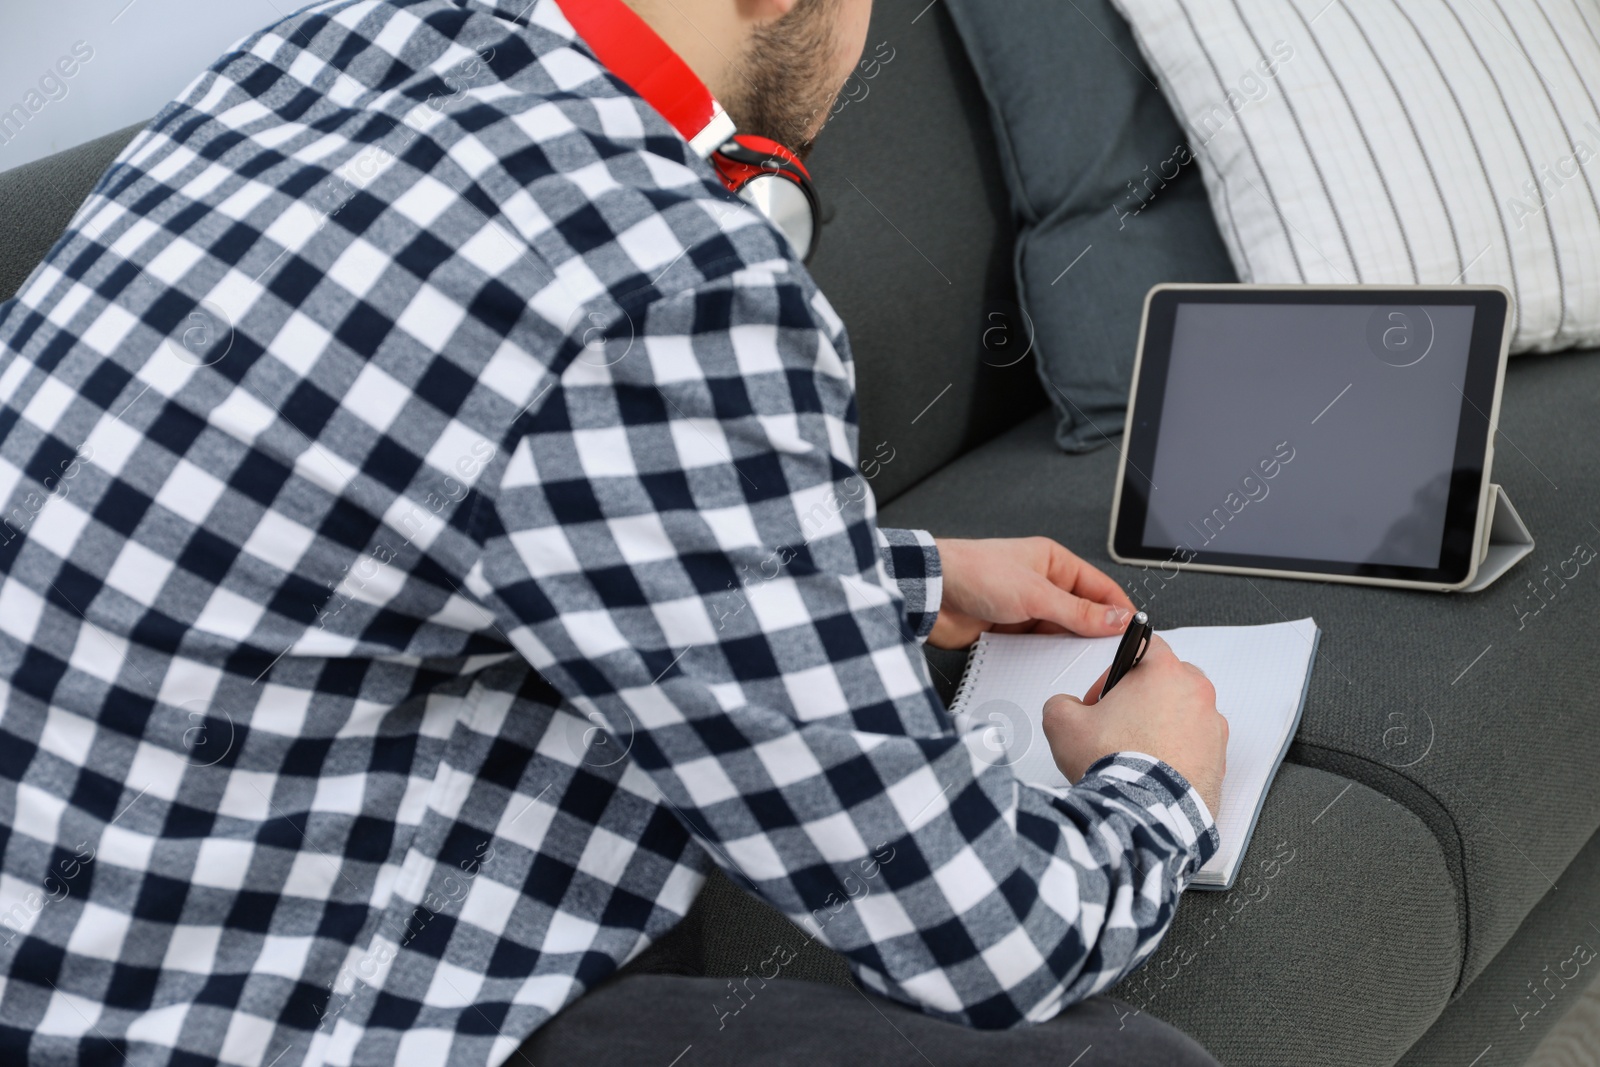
[1092,694]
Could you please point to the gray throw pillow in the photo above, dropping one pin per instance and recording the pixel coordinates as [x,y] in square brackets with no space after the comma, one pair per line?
[1104,187]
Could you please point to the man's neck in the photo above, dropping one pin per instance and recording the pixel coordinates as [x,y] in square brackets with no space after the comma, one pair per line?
[706,34]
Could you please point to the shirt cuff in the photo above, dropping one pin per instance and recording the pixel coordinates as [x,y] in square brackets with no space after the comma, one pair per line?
[1160,789]
[912,560]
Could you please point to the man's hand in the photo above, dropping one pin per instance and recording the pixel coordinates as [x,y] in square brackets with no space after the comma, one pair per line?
[1022,585]
[1164,707]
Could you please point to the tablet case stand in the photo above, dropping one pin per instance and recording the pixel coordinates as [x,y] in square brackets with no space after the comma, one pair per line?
[1506,542]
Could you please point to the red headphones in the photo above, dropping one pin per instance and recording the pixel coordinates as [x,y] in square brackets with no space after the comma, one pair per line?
[758,170]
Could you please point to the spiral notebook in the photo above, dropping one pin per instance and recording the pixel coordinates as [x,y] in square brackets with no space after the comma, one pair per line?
[1260,673]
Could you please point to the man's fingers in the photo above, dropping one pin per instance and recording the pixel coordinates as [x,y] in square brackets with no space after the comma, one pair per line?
[1098,585]
[1093,694]
[1075,613]
[1156,649]
[1069,571]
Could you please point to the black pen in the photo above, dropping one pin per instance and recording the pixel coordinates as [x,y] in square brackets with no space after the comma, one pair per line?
[1135,639]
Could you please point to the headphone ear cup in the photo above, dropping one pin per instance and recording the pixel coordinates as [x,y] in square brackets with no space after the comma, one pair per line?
[788,205]
[773,180]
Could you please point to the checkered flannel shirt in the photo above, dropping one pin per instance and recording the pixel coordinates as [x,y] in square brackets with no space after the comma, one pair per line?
[434,537]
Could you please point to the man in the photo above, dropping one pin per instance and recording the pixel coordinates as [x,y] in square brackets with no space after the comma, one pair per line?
[413,583]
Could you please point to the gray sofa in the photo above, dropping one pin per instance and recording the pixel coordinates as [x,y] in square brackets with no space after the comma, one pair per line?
[1427,861]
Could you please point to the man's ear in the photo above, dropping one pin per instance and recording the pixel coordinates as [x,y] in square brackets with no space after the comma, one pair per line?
[764,10]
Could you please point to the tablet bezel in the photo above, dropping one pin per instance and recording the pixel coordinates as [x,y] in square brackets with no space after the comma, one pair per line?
[1464,533]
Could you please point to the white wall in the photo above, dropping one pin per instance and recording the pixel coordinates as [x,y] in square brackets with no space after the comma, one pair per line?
[143,54]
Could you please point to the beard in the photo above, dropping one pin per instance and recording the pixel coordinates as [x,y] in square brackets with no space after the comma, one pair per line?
[782,82]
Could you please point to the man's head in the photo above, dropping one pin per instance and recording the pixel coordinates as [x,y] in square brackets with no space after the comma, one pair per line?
[792,68]
[776,65]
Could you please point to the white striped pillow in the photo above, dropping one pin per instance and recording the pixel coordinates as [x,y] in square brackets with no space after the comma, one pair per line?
[1398,142]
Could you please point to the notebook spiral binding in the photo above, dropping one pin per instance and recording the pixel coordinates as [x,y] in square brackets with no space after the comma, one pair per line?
[969,677]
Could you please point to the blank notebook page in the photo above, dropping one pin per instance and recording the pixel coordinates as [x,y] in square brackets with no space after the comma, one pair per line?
[1260,674]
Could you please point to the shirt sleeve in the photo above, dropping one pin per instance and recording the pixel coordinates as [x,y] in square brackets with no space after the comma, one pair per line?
[682,545]
[912,559]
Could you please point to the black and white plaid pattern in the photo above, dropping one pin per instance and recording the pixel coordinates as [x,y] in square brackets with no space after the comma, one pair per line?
[432,538]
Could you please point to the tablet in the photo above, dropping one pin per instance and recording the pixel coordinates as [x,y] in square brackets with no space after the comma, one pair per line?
[1339,433]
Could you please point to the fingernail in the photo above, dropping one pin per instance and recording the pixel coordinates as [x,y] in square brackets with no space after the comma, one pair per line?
[1116,616]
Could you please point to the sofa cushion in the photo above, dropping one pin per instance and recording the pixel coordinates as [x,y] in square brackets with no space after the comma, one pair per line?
[1102,184]
[38,199]
[1338,945]
[1476,711]
[1344,911]
[916,257]
[1536,979]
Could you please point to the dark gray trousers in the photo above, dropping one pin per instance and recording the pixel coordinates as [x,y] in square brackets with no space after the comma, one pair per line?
[668,1020]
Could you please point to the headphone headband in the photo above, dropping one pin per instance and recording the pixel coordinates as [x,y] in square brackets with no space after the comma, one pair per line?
[631,50]
[758,170]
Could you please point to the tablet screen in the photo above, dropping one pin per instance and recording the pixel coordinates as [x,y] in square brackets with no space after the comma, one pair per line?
[1330,431]
[1282,427]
